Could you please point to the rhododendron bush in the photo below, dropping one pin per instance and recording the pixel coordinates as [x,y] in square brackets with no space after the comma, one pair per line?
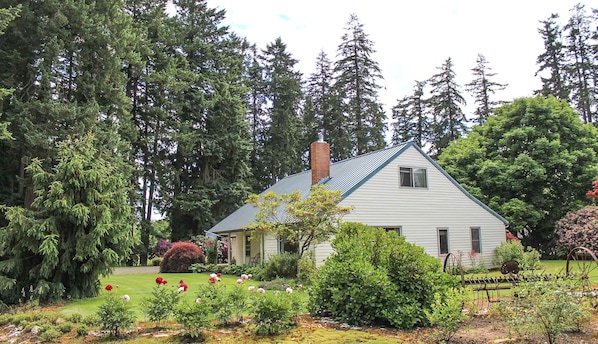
[376,277]
[579,228]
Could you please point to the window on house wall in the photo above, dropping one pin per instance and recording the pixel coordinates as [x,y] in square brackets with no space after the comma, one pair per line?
[285,246]
[247,246]
[413,177]
[476,245]
[398,229]
[443,246]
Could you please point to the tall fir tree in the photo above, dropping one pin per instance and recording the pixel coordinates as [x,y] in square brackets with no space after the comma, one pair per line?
[283,145]
[206,174]
[449,122]
[6,16]
[582,64]
[482,88]
[357,76]
[552,60]
[322,115]
[410,118]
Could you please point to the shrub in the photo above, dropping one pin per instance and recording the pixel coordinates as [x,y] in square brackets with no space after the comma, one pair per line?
[194,317]
[160,306]
[550,308]
[82,330]
[161,248]
[283,265]
[65,327]
[75,318]
[274,312]
[528,258]
[156,261]
[49,335]
[234,269]
[226,304]
[216,251]
[376,276]
[114,315]
[180,256]
[202,267]
[307,267]
[447,313]
[578,228]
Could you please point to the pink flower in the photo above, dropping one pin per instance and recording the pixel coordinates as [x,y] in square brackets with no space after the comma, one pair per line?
[251,288]
[261,290]
[244,277]
[239,281]
[219,274]
[127,298]
[108,287]
[159,280]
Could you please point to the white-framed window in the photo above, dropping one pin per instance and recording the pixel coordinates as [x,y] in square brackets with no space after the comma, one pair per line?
[476,242]
[413,177]
[398,229]
[443,242]
[247,245]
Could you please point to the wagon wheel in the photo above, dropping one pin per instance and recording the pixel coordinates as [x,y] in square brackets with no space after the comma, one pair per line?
[452,266]
[582,265]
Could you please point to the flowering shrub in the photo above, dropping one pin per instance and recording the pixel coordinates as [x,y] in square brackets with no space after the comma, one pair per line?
[160,306]
[216,251]
[226,304]
[114,314]
[274,312]
[194,317]
[376,276]
[180,256]
[578,228]
[161,248]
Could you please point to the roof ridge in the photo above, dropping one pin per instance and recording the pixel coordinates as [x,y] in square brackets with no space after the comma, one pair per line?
[370,153]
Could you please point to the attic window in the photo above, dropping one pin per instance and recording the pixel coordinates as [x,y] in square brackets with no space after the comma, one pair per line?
[413,177]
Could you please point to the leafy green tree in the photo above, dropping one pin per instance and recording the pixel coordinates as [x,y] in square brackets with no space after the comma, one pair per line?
[410,117]
[582,64]
[552,60]
[357,76]
[449,122]
[301,221]
[531,163]
[282,146]
[80,225]
[207,151]
[482,87]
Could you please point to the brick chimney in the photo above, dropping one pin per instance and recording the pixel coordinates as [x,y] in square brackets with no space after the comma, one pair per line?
[320,161]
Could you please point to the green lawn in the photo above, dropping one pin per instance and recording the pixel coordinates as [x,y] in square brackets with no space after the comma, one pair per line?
[139,286]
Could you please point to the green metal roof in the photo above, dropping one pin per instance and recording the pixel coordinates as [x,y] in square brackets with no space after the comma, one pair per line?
[346,175]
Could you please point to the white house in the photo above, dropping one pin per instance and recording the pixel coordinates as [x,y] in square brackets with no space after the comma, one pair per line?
[399,188]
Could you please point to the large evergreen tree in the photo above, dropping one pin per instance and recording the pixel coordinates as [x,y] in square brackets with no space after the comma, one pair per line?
[482,88]
[79,227]
[552,60]
[449,122]
[357,76]
[283,145]
[410,116]
[6,16]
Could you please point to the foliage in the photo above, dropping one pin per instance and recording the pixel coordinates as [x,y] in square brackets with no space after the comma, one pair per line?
[482,87]
[550,308]
[156,261]
[114,315]
[301,221]
[280,265]
[227,305]
[528,258]
[307,267]
[161,248]
[274,312]
[376,276]
[447,312]
[180,257]
[79,226]
[530,163]
[410,116]
[578,228]
[194,317]
[160,306]
[216,251]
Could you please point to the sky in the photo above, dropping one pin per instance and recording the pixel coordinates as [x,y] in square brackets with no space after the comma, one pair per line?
[411,38]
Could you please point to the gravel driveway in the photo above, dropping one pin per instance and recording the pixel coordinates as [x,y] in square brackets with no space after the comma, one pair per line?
[128,270]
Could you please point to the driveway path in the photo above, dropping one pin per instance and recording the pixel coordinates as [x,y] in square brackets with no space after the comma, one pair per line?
[136,270]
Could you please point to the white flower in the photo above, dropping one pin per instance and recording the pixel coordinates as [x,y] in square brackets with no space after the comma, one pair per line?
[127,298]
[261,290]
[249,275]
[198,300]
[213,275]
[239,281]
[289,290]
[181,289]
[251,288]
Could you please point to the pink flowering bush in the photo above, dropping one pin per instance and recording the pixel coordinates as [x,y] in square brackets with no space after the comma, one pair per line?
[578,228]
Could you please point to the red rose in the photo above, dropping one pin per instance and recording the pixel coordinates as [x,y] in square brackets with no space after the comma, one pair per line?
[181,281]
[212,280]
[219,274]
[164,281]
[159,280]
[108,287]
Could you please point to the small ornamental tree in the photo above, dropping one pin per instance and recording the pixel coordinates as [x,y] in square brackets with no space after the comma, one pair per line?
[180,256]
[579,228]
[301,221]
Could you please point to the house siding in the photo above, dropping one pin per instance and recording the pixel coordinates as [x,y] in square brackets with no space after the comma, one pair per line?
[380,202]
[270,246]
